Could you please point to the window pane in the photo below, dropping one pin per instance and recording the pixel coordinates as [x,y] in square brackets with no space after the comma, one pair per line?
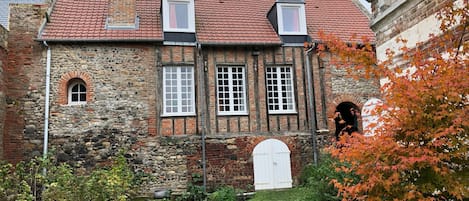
[178,89]
[280,89]
[178,15]
[82,97]
[82,88]
[291,19]
[230,87]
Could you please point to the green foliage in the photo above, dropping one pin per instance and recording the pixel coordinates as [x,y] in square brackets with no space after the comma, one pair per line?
[26,181]
[317,180]
[195,191]
[226,193]
[294,194]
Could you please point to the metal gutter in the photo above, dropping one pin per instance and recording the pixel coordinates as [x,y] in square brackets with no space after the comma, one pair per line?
[46,104]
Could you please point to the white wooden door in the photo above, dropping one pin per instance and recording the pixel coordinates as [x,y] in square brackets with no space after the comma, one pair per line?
[272,165]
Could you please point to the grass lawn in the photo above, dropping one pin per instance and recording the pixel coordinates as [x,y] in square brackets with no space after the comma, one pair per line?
[280,195]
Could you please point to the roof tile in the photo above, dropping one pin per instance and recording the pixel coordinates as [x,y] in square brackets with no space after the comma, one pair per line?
[217,21]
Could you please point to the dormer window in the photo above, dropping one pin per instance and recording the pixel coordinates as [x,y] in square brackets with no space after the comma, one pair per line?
[291,19]
[178,16]
[288,18]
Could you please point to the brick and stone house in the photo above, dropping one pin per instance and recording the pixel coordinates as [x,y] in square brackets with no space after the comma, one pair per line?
[215,88]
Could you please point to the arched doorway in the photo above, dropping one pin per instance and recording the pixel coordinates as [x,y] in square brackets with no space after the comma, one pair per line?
[272,165]
[345,111]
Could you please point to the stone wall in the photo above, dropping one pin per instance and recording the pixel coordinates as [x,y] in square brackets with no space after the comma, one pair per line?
[24,77]
[3,63]
[333,86]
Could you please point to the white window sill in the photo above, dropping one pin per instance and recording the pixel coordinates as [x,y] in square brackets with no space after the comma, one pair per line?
[76,104]
[283,112]
[178,115]
[232,113]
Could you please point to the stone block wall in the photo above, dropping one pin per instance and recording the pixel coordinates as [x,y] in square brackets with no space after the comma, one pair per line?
[3,65]
[391,17]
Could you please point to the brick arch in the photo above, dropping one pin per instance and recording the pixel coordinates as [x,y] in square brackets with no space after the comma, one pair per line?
[338,100]
[64,81]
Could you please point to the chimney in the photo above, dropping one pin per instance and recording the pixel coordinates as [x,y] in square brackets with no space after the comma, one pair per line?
[122,14]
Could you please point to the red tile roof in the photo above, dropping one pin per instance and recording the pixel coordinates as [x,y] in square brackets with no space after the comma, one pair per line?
[84,20]
[217,21]
[340,17]
[235,21]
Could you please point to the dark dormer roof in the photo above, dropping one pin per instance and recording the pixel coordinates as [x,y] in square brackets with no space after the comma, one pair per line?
[220,22]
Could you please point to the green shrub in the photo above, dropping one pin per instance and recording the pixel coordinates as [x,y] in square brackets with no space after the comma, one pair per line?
[226,193]
[316,180]
[195,191]
[26,181]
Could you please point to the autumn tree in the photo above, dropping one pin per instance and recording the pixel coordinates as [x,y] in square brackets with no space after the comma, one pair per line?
[419,151]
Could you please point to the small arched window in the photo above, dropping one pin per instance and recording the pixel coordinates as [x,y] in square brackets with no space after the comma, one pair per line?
[76,92]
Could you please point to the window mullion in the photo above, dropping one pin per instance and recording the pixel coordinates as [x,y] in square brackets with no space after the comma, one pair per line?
[230,88]
[279,85]
[179,89]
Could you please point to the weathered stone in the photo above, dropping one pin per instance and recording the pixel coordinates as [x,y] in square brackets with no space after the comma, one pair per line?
[63,157]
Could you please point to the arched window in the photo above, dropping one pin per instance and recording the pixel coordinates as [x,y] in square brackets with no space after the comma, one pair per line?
[76,92]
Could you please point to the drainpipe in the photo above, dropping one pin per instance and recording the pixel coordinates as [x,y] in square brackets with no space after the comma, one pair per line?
[312,104]
[201,63]
[46,108]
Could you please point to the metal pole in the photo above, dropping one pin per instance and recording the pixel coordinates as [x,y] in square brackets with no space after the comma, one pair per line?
[312,106]
[201,75]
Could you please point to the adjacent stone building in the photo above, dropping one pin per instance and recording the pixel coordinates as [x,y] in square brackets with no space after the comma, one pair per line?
[183,87]
[411,20]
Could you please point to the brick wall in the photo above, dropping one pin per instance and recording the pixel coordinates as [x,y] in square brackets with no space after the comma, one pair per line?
[23,78]
[3,63]
[230,160]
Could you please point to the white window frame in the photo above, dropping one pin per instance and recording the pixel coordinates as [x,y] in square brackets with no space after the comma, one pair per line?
[280,91]
[302,19]
[179,94]
[231,97]
[190,15]
[70,92]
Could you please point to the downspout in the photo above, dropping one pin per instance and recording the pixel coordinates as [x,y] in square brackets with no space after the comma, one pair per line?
[46,108]
[201,64]
[312,104]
